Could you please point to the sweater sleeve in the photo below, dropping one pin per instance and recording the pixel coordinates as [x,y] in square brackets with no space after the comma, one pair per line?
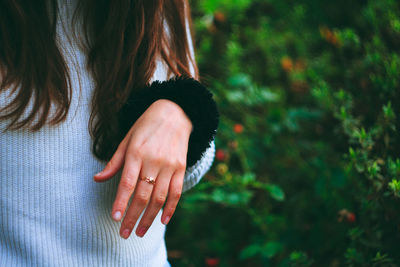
[195,173]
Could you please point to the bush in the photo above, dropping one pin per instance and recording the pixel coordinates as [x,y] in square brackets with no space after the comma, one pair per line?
[307,169]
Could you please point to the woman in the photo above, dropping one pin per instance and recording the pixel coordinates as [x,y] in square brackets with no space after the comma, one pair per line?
[73,103]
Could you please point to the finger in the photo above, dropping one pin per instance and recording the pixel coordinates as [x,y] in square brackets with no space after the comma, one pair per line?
[127,183]
[157,200]
[115,163]
[174,194]
[139,202]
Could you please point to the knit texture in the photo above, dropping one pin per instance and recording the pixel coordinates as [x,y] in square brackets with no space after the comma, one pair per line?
[52,213]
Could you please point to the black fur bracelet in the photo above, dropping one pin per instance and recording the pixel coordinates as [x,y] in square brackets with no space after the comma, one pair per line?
[195,100]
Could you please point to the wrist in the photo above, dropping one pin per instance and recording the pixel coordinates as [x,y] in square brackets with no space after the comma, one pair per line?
[173,111]
[189,94]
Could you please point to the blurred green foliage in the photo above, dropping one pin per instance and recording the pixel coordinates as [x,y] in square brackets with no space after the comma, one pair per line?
[307,168]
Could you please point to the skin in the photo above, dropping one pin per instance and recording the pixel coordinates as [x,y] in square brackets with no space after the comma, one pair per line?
[155,146]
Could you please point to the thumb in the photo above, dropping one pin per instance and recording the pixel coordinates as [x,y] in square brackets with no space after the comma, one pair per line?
[114,164]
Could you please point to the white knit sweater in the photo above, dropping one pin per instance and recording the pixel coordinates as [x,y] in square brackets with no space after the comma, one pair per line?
[52,213]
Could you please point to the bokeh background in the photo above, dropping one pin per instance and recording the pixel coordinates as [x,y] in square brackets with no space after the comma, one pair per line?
[307,168]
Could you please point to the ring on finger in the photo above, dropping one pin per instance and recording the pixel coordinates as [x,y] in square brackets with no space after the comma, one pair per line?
[148,179]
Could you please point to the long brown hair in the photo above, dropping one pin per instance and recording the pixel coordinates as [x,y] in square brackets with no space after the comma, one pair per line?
[122,39]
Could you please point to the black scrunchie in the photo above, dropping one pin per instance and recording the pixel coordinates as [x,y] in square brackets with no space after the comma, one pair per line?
[193,97]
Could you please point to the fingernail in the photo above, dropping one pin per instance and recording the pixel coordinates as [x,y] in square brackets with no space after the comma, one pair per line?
[125,233]
[166,220]
[117,215]
[99,174]
[141,231]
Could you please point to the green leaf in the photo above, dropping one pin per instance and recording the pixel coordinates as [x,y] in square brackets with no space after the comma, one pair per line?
[250,251]
[248,178]
[270,249]
[276,192]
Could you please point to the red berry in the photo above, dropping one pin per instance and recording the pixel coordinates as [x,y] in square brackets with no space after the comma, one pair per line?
[351,217]
[219,16]
[238,128]
[287,64]
[220,154]
[212,262]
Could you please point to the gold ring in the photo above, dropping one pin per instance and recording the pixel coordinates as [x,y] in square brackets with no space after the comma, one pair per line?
[149,179]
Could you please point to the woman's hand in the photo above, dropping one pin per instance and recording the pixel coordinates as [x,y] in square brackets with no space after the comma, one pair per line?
[155,146]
